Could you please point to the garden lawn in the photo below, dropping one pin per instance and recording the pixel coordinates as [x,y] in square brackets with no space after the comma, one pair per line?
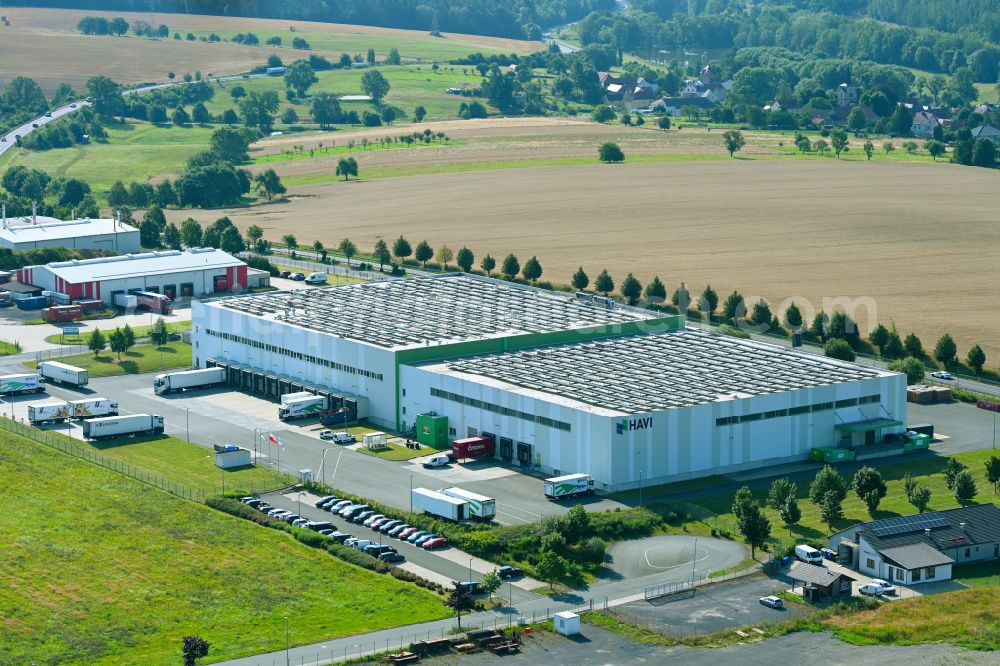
[395,452]
[811,528]
[101,569]
[139,359]
[8,348]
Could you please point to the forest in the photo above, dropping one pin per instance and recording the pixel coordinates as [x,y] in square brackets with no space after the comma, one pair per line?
[523,19]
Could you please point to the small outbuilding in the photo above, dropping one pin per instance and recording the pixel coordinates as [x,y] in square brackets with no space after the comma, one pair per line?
[566,623]
[819,583]
[232,457]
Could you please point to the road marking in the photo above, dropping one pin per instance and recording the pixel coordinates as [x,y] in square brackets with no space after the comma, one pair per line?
[682,564]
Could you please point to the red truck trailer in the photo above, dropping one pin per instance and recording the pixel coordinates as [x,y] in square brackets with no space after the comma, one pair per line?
[58,313]
[472,447]
[152,302]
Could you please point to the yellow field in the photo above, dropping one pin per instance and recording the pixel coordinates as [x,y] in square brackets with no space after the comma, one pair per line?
[911,242]
[43,44]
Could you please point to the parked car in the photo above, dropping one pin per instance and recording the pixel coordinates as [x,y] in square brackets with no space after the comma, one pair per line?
[337,437]
[320,525]
[871,590]
[338,505]
[416,535]
[434,542]
[298,277]
[361,543]
[395,531]
[377,549]
[275,513]
[300,522]
[372,519]
[510,572]
[947,376]
[329,503]
[323,500]
[391,556]
[422,539]
[264,507]
[405,534]
[363,516]
[290,517]
[326,533]
[340,536]
[350,541]
[246,500]
[376,524]
[286,274]
[887,587]
[772,602]
[353,510]
[389,525]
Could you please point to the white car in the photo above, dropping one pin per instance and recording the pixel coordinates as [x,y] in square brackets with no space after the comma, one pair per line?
[772,602]
[337,437]
[887,587]
[940,374]
[871,590]
[439,460]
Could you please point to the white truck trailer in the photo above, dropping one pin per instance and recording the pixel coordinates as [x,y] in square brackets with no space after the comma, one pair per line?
[480,506]
[439,504]
[53,411]
[571,485]
[62,373]
[188,380]
[301,405]
[21,383]
[122,426]
[89,408]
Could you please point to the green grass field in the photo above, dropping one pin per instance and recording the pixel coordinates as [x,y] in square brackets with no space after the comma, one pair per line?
[100,569]
[140,332]
[163,149]
[395,452]
[139,359]
[811,528]
[412,46]
[191,465]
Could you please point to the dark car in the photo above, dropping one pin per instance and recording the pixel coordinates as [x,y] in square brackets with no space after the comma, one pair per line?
[340,537]
[510,572]
[391,556]
[291,518]
[323,500]
[285,274]
[375,549]
[264,507]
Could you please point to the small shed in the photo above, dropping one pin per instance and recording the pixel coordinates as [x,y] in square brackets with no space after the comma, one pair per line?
[375,440]
[820,583]
[306,475]
[566,623]
[230,458]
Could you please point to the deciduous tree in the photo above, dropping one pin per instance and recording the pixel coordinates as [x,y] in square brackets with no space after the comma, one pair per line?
[381,253]
[510,266]
[734,141]
[444,255]
[610,153]
[401,248]
[465,258]
[488,264]
[96,342]
[965,487]
[870,488]
[423,253]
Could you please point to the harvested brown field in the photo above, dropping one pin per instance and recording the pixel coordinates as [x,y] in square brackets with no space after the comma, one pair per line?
[919,240]
[44,44]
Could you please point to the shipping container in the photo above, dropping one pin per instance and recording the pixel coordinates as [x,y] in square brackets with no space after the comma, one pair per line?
[58,313]
[127,301]
[472,447]
[32,303]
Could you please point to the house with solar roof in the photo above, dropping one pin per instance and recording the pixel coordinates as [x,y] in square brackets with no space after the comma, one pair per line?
[924,548]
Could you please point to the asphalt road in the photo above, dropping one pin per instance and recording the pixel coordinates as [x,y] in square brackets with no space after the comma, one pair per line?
[672,557]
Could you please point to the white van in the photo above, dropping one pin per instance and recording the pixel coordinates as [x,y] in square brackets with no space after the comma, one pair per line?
[809,554]
[316,278]
[439,460]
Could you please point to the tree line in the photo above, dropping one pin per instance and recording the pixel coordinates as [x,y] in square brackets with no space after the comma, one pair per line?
[98,25]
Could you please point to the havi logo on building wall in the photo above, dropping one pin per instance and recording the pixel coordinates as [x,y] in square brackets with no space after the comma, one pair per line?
[624,425]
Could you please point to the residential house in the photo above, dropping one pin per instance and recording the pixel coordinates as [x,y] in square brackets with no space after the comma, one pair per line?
[924,123]
[923,548]
[708,85]
[627,92]
[672,105]
[986,132]
[847,95]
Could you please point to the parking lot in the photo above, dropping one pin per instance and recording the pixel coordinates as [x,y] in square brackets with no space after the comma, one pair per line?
[442,565]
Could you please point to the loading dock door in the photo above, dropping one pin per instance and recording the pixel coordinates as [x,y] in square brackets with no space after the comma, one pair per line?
[272,387]
[220,283]
[506,448]
[523,454]
[491,436]
[170,291]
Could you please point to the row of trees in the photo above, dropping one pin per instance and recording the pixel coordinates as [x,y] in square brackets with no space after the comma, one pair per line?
[829,489]
[123,338]
[99,25]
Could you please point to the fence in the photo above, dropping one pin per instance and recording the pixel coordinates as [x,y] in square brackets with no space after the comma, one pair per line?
[330,269]
[770,565]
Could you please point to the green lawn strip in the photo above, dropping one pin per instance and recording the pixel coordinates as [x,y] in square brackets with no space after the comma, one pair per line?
[966,618]
[395,452]
[331,278]
[188,464]
[985,574]
[345,150]
[679,486]
[140,332]
[8,348]
[811,528]
[129,570]
[139,359]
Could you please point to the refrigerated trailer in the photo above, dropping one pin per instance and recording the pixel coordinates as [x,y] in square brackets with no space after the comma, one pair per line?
[439,504]
[62,373]
[89,408]
[21,383]
[480,506]
[122,426]
[472,447]
[55,411]
[571,485]
[188,380]
[301,405]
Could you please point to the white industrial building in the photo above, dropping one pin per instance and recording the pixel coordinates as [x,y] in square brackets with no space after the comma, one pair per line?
[175,273]
[30,233]
[563,383]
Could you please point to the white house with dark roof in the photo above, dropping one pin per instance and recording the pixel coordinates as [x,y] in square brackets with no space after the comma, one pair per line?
[986,132]
[923,548]
[923,124]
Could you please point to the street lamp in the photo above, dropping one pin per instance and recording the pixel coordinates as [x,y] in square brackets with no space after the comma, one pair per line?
[187,423]
[470,569]
[288,657]
[322,466]
[640,488]
[694,560]
[299,499]
[411,476]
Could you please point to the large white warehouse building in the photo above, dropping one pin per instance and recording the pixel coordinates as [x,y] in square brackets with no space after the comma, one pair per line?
[563,383]
[30,233]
